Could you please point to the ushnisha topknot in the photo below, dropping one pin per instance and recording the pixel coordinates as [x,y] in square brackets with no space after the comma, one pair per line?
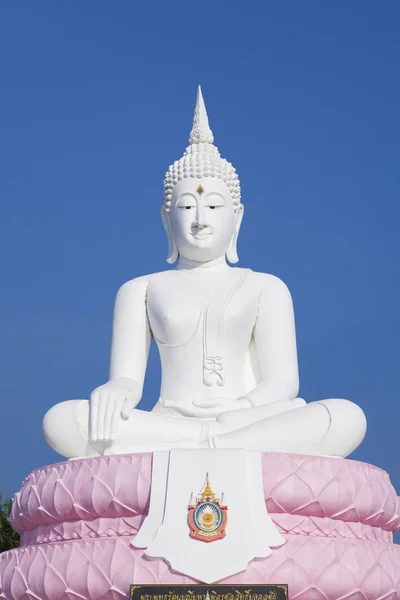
[201,158]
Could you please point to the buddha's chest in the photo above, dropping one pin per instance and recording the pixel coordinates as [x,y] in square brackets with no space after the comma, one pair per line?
[181,306]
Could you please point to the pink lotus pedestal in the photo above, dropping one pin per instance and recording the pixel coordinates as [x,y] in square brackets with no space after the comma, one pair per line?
[77,520]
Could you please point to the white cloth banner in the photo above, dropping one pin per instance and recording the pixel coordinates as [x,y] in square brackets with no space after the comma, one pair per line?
[250,532]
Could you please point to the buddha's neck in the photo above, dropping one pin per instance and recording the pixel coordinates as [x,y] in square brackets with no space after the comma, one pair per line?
[202,268]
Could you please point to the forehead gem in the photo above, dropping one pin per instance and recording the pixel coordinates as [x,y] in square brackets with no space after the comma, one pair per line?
[200,189]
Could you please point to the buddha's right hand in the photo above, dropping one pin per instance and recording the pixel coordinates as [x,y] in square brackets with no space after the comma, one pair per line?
[108,404]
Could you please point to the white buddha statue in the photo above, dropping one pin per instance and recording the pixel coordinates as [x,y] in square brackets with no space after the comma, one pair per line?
[226,338]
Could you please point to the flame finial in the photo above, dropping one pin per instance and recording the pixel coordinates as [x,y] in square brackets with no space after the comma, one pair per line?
[201,131]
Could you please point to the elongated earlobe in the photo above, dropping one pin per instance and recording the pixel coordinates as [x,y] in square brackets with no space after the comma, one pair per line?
[231,253]
[172,249]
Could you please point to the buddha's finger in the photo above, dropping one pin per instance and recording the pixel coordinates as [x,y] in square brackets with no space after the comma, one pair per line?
[115,420]
[127,408]
[93,416]
[101,416]
[109,411]
[206,403]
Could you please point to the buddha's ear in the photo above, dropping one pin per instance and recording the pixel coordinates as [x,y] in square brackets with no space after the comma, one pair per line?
[172,249]
[231,253]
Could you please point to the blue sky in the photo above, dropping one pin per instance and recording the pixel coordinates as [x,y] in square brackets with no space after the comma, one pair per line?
[96,102]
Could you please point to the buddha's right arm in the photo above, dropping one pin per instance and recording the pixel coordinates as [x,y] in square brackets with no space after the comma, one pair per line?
[129,352]
[131,335]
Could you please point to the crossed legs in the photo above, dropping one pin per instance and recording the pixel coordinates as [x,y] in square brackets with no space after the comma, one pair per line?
[329,427]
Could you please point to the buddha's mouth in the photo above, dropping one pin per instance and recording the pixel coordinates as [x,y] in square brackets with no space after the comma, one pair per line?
[201,235]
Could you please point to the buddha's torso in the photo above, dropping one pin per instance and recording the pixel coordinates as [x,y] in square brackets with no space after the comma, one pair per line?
[176,303]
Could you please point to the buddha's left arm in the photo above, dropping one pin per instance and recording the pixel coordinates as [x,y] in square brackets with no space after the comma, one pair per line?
[275,339]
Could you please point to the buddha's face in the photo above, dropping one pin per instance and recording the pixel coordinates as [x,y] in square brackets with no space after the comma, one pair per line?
[202,220]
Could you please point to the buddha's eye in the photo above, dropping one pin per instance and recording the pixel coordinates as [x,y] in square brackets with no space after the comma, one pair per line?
[188,207]
[214,201]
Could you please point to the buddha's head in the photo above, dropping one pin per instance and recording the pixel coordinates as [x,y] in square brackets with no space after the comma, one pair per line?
[202,211]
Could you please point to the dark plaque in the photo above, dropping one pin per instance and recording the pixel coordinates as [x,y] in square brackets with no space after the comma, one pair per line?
[209,592]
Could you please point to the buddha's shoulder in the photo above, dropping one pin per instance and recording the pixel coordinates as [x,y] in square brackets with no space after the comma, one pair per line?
[140,284]
[269,283]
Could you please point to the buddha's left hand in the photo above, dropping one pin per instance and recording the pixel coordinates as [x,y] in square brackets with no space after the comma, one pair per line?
[221,404]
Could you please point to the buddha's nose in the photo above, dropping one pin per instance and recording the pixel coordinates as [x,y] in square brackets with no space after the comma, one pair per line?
[200,221]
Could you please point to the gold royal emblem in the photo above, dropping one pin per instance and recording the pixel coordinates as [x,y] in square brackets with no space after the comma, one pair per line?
[207,516]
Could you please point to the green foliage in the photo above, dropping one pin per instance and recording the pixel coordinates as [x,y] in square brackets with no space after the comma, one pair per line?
[8,537]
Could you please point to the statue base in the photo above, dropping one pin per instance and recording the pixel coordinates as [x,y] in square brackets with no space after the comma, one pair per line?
[77,520]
